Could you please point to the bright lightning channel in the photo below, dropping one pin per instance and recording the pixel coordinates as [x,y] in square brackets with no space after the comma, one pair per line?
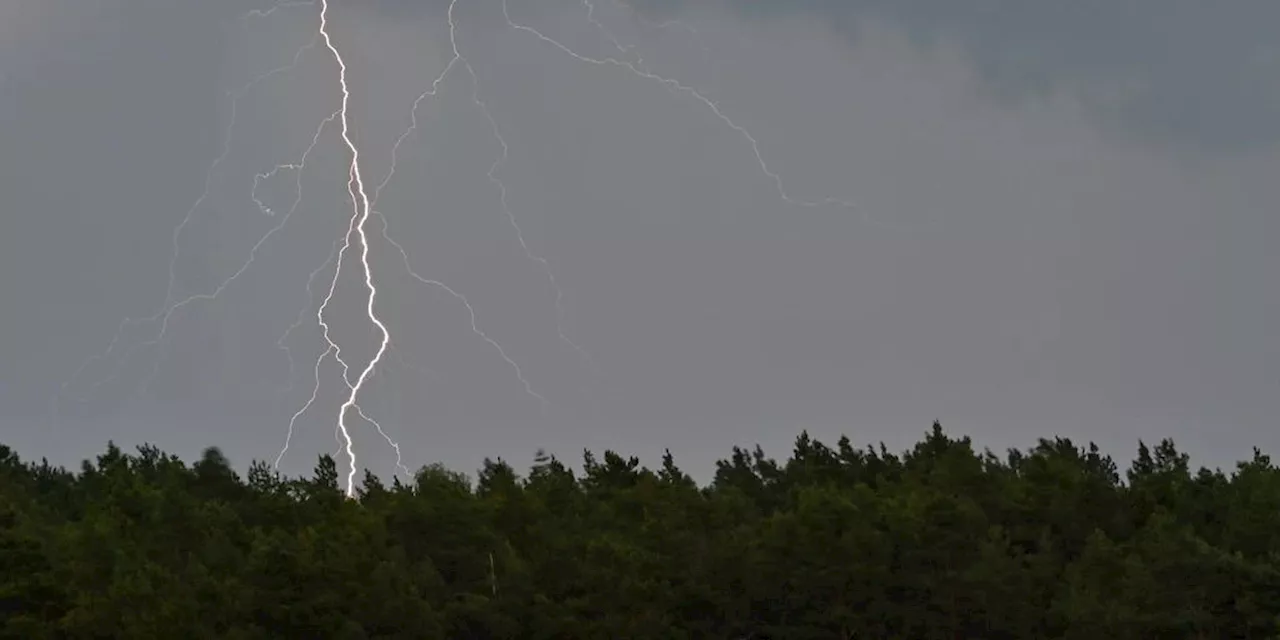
[363,207]
[359,217]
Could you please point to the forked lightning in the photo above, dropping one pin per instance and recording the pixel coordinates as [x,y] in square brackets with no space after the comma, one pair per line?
[363,207]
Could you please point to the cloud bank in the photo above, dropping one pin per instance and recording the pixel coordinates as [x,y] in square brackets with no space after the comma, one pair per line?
[1185,72]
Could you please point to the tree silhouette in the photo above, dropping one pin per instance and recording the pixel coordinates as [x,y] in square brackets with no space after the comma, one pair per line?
[940,541]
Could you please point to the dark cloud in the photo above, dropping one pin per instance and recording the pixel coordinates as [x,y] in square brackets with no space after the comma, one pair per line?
[1187,72]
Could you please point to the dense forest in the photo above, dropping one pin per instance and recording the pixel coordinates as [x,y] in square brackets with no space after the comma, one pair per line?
[940,541]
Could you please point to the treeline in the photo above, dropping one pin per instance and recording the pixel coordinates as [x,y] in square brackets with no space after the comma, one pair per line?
[940,541]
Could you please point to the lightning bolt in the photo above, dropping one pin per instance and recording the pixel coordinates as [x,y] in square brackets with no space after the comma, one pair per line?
[171,306]
[359,218]
[664,25]
[283,344]
[355,188]
[332,348]
[432,92]
[354,245]
[502,191]
[357,224]
[363,205]
[297,168]
[637,68]
[528,388]
[608,35]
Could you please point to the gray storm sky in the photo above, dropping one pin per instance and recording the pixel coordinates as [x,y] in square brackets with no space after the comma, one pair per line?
[1063,224]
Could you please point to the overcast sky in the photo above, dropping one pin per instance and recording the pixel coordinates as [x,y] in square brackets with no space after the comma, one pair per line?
[856,217]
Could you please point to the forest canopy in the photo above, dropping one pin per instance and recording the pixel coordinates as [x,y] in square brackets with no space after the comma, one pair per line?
[939,541]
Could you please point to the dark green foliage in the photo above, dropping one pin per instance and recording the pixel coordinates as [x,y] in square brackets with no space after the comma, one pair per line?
[940,542]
